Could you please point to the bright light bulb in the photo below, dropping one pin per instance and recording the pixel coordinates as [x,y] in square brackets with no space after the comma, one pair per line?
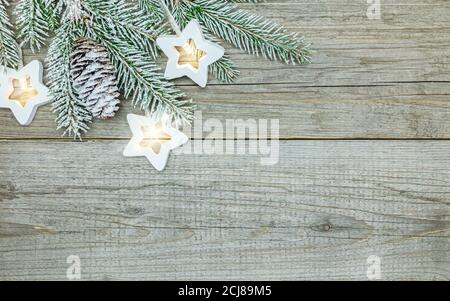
[154,137]
[21,90]
[189,55]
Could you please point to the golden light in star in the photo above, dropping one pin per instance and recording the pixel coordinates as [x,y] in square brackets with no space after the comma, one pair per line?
[22,90]
[189,55]
[154,137]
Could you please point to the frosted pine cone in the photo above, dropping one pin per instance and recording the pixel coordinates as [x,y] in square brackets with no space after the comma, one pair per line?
[93,78]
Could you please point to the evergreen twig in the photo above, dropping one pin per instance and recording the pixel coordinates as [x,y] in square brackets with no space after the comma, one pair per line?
[9,52]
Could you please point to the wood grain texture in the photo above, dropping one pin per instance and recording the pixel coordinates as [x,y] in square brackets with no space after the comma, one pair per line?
[314,216]
[317,215]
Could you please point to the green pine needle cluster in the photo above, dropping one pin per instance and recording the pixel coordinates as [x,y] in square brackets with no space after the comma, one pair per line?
[8,48]
[71,115]
[128,30]
[247,31]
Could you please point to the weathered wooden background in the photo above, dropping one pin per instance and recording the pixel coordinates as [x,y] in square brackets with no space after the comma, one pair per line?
[364,167]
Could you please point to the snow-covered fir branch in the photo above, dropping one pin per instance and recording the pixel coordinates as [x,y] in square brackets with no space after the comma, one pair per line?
[9,56]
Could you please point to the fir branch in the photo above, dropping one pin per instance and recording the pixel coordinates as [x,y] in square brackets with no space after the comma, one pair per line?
[72,116]
[152,10]
[128,23]
[9,56]
[35,20]
[247,31]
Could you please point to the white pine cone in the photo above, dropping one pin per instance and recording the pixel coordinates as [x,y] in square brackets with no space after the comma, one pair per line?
[93,78]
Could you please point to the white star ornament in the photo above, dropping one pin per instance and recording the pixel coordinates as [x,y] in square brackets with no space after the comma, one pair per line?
[22,91]
[190,54]
[153,140]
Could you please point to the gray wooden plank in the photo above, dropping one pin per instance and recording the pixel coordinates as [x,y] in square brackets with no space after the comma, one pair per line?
[385,78]
[405,111]
[318,214]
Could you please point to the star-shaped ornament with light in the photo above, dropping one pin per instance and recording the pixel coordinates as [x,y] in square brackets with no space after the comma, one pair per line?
[22,91]
[153,139]
[190,54]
